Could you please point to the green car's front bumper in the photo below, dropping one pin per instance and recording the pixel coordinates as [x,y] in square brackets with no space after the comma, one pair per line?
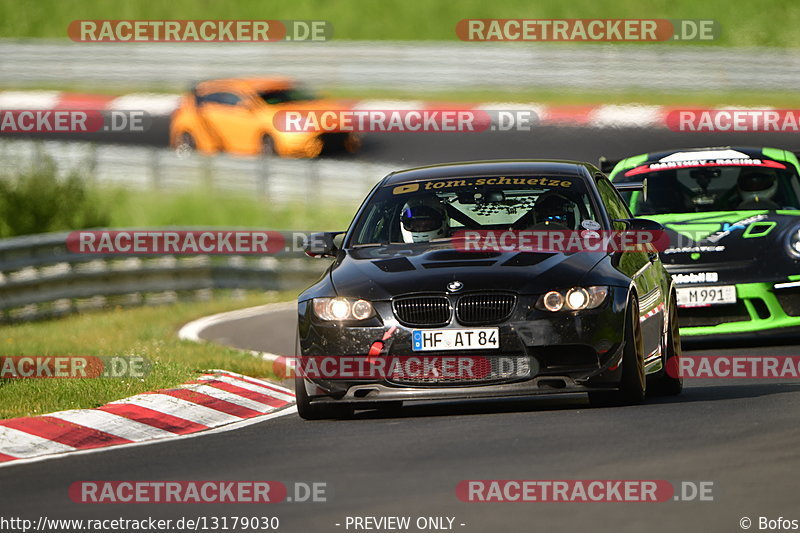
[761,308]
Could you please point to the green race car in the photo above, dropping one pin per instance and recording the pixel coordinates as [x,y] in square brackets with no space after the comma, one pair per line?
[733,218]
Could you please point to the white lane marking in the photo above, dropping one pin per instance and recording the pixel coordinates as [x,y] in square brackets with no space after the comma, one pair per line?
[151,103]
[116,425]
[632,115]
[29,99]
[20,444]
[391,105]
[192,330]
[226,396]
[229,427]
[248,386]
[184,409]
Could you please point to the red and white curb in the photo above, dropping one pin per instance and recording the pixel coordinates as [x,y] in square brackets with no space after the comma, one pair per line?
[151,103]
[598,116]
[217,401]
[282,366]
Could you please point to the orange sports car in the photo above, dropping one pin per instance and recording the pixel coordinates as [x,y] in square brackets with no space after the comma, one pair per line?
[236,116]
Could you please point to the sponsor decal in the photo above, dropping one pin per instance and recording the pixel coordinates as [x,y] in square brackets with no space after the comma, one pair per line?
[693,163]
[696,277]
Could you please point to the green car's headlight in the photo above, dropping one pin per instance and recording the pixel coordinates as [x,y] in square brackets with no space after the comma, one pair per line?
[793,243]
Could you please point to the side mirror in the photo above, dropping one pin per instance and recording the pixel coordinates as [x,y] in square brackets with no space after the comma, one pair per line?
[643,224]
[321,244]
[633,186]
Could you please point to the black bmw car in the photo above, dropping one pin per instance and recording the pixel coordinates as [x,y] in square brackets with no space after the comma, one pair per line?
[407,312]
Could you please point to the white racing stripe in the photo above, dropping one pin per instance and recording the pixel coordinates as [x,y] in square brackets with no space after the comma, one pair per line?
[116,425]
[249,386]
[230,397]
[181,408]
[20,444]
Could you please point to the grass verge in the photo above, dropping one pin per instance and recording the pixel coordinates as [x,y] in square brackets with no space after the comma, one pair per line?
[207,207]
[774,23]
[150,332]
[546,96]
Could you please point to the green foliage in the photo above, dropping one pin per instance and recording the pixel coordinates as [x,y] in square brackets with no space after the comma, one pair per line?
[36,200]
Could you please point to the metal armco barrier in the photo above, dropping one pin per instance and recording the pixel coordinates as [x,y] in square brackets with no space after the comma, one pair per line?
[41,278]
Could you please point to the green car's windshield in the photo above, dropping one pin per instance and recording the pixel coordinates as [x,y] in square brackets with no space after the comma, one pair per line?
[687,188]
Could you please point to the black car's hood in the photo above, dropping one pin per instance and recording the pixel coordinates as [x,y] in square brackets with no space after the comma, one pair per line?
[737,246]
[379,273]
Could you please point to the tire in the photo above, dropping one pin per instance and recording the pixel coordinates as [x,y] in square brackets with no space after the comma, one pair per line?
[185,144]
[665,384]
[268,146]
[311,411]
[633,384]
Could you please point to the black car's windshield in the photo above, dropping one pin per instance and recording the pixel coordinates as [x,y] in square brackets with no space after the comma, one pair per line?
[689,187]
[428,211]
[284,96]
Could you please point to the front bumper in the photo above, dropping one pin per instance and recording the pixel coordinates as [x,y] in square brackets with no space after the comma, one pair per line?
[760,308]
[567,352]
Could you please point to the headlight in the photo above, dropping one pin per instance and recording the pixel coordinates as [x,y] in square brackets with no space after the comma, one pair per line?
[342,309]
[553,301]
[574,299]
[793,243]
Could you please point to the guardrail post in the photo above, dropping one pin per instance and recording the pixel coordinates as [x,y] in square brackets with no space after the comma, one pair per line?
[155,168]
[262,178]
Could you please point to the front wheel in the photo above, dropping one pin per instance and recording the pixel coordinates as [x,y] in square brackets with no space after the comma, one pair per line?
[633,384]
[669,382]
[267,146]
[311,411]
[185,144]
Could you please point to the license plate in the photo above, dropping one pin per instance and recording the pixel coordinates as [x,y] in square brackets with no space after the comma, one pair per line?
[455,339]
[705,296]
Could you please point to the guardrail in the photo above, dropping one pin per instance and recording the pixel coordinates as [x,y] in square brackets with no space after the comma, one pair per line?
[280,181]
[405,65]
[41,278]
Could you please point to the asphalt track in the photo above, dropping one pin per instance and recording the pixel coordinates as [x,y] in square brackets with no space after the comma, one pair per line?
[742,435]
[560,142]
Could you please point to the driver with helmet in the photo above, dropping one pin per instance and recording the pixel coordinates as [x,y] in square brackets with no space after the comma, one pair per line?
[423,220]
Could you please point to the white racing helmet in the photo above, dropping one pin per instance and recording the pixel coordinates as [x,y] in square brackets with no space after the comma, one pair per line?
[423,220]
[756,185]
